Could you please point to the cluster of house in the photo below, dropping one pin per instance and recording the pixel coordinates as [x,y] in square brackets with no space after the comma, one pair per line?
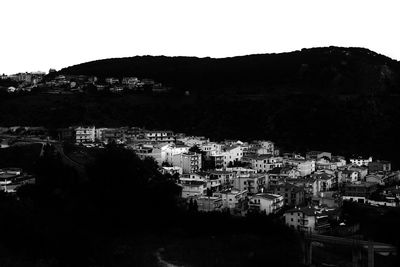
[255,176]
[78,83]
[12,178]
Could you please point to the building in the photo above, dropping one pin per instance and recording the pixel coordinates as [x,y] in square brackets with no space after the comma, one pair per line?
[308,219]
[85,134]
[359,192]
[160,136]
[316,155]
[225,178]
[265,163]
[192,187]
[144,151]
[305,167]
[253,183]
[171,150]
[266,203]
[379,165]
[348,176]
[233,199]
[361,161]
[190,162]
[208,203]
[232,154]
[292,195]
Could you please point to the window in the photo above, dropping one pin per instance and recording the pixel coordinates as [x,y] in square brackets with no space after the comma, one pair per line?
[291,219]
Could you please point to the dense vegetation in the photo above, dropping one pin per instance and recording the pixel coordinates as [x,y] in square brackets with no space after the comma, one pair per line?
[331,70]
[122,216]
[366,125]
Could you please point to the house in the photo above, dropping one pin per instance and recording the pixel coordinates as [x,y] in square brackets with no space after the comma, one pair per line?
[172,170]
[160,136]
[234,199]
[193,140]
[360,191]
[309,219]
[348,176]
[266,203]
[112,80]
[85,134]
[210,148]
[292,195]
[376,178]
[327,181]
[361,170]
[231,154]
[360,161]
[226,178]
[316,155]
[379,165]
[192,187]
[328,199]
[305,167]
[144,151]
[265,163]
[190,162]
[253,183]
[208,203]
[215,161]
[170,150]
[325,163]
[310,185]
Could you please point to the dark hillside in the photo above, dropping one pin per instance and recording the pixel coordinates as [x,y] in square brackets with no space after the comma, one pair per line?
[319,70]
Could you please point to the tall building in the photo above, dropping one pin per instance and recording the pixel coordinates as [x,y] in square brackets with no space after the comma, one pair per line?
[189,162]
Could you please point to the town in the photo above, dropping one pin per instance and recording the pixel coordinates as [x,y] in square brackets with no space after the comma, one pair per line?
[54,83]
[306,191]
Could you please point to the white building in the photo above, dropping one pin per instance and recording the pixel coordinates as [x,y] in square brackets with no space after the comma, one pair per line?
[85,134]
[233,198]
[232,154]
[253,183]
[193,187]
[189,162]
[170,150]
[266,203]
[308,219]
[361,161]
[265,163]
[305,167]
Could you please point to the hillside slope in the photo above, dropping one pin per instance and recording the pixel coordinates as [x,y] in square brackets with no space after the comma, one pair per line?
[333,70]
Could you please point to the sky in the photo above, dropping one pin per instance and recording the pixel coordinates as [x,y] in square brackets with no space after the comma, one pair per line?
[43,34]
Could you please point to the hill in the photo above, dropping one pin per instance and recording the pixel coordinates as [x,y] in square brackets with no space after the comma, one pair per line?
[333,70]
[344,100]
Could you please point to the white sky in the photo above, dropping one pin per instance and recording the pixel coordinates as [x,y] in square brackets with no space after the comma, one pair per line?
[43,34]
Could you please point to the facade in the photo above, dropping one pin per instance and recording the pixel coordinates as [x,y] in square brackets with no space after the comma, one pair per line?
[170,150]
[233,199]
[292,195]
[361,161]
[85,134]
[265,163]
[308,219]
[208,204]
[253,183]
[377,166]
[266,203]
[190,162]
[232,154]
[316,155]
[359,192]
[305,167]
[160,136]
[192,187]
